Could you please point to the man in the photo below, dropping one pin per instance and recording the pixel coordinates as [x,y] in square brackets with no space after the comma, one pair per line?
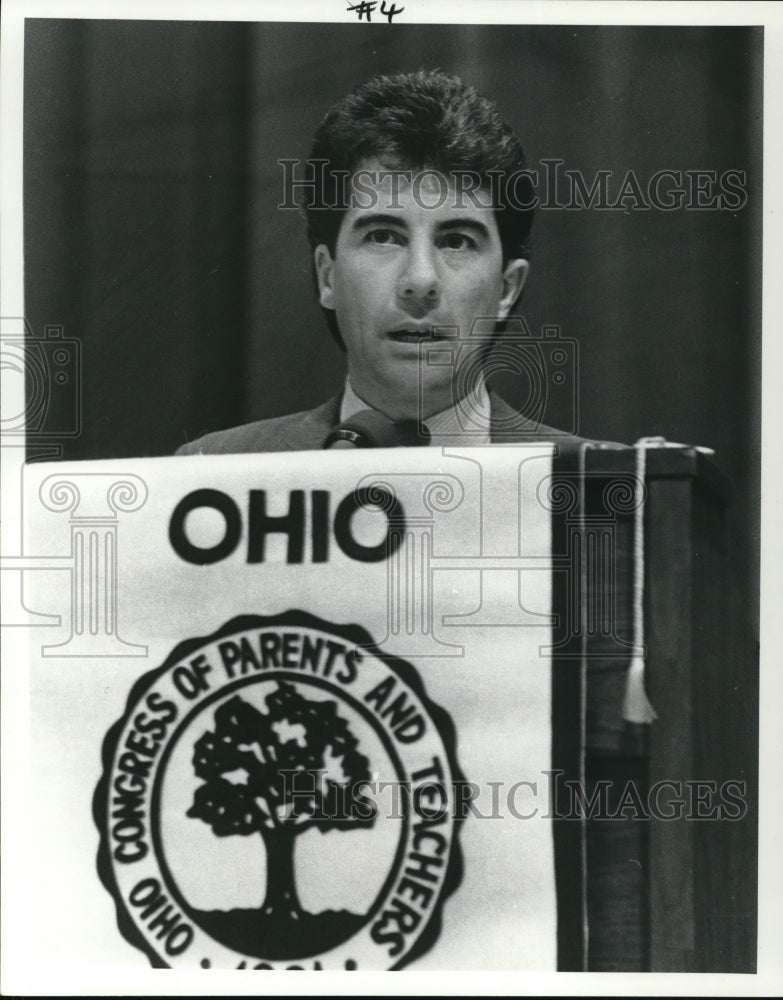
[418,221]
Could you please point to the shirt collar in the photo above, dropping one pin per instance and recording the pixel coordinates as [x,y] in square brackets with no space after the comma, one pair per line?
[468,422]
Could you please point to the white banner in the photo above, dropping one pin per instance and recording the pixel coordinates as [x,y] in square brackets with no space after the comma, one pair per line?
[297,711]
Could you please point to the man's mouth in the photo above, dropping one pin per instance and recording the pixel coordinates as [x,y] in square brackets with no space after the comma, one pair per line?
[415,335]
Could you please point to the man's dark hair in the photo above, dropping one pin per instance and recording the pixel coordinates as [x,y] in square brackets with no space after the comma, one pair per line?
[426,120]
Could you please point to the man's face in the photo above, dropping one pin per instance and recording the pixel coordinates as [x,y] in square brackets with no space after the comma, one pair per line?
[402,268]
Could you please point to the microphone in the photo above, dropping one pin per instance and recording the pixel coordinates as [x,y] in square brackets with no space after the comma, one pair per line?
[370,429]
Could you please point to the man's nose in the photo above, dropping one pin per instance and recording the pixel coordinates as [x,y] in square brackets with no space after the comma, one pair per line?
[419,283]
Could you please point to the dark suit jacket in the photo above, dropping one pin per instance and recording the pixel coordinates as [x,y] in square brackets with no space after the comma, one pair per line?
[306,431]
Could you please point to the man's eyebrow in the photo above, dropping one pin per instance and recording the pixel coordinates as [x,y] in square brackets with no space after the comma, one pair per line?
[363,222]
[472,224]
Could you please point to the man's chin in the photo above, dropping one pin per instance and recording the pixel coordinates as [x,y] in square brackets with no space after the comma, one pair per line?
[408,400]
[424,403]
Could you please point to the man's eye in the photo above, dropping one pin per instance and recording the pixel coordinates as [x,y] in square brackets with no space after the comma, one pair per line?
[458,241]
[383,237]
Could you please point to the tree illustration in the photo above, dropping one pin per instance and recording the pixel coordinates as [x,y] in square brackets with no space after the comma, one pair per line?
[278,773]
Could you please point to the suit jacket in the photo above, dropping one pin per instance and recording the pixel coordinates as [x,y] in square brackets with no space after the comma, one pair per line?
[306,431]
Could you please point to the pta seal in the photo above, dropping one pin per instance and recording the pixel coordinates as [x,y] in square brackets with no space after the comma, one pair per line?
[280,795]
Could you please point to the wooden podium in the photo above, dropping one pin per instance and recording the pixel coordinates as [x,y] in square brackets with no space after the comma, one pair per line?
[679,894]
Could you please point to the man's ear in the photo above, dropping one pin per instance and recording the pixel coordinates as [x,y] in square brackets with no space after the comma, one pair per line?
[514,277]
[324,268]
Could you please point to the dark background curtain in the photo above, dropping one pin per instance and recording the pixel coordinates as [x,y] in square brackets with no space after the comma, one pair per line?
[153,237]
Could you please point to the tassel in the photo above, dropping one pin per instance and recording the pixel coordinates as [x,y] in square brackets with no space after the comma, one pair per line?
[636,705]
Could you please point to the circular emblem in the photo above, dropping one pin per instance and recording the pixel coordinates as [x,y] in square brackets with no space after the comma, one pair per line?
[279,795]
